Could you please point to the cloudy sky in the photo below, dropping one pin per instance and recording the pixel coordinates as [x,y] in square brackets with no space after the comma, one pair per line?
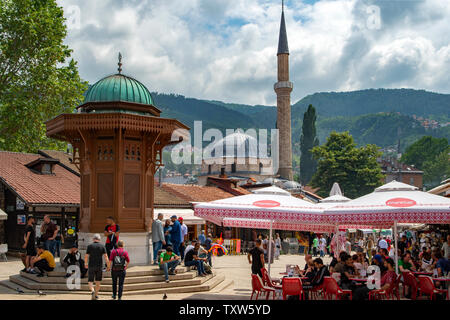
[226,49]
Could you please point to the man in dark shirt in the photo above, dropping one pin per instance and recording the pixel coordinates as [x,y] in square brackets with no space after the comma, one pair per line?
[256,258]
[348,272]
[402,245]
[208,245]
[73,258]
[95,253]
[191,259]
[48,235]
[112,231]
[29,244]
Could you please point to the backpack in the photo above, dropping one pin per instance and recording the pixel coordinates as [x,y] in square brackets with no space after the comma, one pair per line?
[119,262]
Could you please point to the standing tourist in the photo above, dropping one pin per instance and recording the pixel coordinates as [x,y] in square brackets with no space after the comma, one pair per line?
[369,247]
[29,245]
[256,258]
[277,246]
[382,244]
[157,237]
[202,238]
[58,241]
[120,261]
[348,246]
[315,246]
[322,246]
[183,237]
[168,261]
[95,252]
[112,231]
[208,245]
[192,259]
[175,235]
[446,248]
[48,234]
[167,229]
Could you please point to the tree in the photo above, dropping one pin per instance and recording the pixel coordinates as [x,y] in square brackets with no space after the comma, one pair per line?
[308,140]
[38,80]
[425,149]
[339,160]
[436,170]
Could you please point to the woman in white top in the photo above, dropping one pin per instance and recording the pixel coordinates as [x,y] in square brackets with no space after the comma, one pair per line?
[427,264]
[277,246]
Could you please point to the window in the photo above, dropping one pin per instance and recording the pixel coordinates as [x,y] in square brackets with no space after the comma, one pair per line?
[105,151]
[233,167]
[209,169]
[133,151]
[46,168]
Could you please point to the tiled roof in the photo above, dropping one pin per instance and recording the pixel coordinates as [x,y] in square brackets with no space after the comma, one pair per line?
[195,193]
[165,199]
[63,157]
[61,187]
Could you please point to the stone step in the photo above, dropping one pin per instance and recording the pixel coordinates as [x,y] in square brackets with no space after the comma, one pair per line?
[137,271]
[108,280]
[208,284]
[35,285]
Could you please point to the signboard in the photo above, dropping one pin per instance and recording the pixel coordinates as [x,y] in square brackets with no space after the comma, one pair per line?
[20,205]
[266,204]
[400,203]
[21,219]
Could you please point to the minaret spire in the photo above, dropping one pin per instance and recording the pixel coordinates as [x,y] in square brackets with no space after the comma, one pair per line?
[282,41]
[120,63]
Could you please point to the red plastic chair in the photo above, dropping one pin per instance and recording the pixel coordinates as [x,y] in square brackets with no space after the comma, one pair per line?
[409,280]
[390,293]
[330,288]
[268,281]
[292,287]
[259,288]
[426,287]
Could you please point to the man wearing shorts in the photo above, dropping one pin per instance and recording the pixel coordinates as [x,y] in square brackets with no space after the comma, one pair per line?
[95,253]
[29,245]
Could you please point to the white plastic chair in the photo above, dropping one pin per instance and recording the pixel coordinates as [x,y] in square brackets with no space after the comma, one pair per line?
[4,250]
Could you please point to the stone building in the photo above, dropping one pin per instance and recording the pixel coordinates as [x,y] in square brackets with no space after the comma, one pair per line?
[239,159]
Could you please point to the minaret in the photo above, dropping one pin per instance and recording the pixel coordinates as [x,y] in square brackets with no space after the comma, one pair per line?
[283,90]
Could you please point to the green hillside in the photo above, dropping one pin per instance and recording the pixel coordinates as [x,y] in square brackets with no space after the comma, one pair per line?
[369,115]
[406,101]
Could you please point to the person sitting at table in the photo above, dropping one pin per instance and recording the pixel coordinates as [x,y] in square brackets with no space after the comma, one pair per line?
[315,276]
[301,272]
[405,263]
[339,266]
[387,280]
[427,263]
[378,261]
[348,273]
[359,264]
[442,264]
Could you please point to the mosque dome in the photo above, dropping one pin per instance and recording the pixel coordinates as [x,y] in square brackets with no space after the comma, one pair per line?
[238,145]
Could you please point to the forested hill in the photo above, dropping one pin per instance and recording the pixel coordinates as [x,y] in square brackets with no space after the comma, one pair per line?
[406,101]
[369,115]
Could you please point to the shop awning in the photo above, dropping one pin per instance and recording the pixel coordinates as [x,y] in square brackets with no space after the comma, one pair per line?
[187,214]
[3,215]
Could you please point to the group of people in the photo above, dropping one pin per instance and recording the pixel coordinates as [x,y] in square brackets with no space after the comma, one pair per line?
[351,264]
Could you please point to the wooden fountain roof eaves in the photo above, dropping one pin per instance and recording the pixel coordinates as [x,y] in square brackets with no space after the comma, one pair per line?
[106,121]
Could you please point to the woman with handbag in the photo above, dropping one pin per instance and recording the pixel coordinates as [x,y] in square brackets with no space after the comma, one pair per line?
[120,261]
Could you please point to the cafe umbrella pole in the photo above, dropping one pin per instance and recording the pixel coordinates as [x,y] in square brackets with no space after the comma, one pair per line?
[270,245]
[396,250]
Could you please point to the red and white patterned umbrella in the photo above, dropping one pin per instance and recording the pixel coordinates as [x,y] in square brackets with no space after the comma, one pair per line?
[392,202]
[257,210]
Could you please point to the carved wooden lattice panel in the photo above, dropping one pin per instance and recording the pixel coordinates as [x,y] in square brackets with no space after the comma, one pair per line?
[132,151]
[105,150]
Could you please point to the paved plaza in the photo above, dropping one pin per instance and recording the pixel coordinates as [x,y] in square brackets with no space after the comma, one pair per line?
[237,284]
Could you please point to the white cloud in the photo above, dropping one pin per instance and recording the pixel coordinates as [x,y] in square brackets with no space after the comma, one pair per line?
[226,49]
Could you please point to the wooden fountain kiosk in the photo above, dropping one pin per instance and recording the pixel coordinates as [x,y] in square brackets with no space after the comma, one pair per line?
[117,138]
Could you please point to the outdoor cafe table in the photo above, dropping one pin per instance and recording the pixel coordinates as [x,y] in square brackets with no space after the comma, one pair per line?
[421,273]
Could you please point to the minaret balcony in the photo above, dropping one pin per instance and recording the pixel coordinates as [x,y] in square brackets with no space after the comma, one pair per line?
[283,84]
